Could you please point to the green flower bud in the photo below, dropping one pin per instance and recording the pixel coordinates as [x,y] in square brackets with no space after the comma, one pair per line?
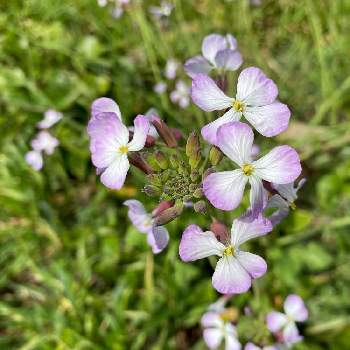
[200,207]
[193,187]
[155,180]
[192,145]
[152,161]
[198,193]
[175,161]
[215,155]
[152,191]
[194,175]
[161,160]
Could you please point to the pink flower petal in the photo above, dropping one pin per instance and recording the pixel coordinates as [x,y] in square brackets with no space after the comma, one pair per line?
[196,244]
[197,65]
[247,227]
[211,45]
[228,59]
[230,277]
[225,189]
[211,319]
[138,215]
[294,307]
[253,264]
[114,175]
[213,337]
[291,334]
[209,131]
[254,88]
[269,120]
[207,96]
[281,165]
[235,140]
[141,128]
[34,159]
[105,104]
[275,321]
[158,239]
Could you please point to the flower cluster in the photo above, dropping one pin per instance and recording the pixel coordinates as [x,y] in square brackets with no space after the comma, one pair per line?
[190,173]
[218,326]
[44,142]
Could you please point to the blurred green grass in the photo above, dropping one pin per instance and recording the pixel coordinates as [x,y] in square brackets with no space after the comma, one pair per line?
[75,274]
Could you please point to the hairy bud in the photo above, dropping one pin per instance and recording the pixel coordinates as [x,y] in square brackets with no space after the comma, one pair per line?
[152,190]
[164,131]
[152,161]
[161,160]
[215,155]
[200,207]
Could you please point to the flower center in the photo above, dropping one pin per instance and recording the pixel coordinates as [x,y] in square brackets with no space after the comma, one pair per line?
[292,206]
[123,149]
[228,251]
[247,169]
[238,106]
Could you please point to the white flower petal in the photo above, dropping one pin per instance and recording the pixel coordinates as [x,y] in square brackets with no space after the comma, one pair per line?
[211,45]
[207,95]
[235,140]
[281,165]
[230,277]
[114,175]
[248,227]
[196,245]
[254,88]
[141,128]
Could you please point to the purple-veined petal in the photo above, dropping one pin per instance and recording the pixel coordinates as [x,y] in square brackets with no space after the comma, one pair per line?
[211,45]
[114,175]
[276,201]
[288,191]
[254,88]
[257,198]
[235,140]
[225,189]
[269,120]
[248,227]
[275,321]
[51,117]
[207,95]
[231,41]
[230,277]
[291,334]
[209,131]
[231,342]
[105,104]
[141,128]
[278,216]
[106,125]
[158,238]
[211,319]
[251,346]
[197,65]
[295,308]
[34,159]
[196,244]
[253,264]
[213,337]
[228,59]
[281,165]
[255,150]
[138,215]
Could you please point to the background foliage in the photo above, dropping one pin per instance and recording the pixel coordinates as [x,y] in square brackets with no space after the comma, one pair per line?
[74,273]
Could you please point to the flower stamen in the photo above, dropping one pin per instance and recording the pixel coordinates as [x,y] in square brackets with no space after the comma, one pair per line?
[238,106]
[228,251]
[247,169]
[123,149]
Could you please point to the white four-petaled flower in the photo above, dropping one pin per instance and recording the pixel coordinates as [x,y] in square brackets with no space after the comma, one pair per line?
[225,189]
[236,268]
[255,100]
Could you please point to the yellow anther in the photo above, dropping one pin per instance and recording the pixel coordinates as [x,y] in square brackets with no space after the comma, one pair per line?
[247,169]
[238,106]
[292,206]
[123,149]
[228,251]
